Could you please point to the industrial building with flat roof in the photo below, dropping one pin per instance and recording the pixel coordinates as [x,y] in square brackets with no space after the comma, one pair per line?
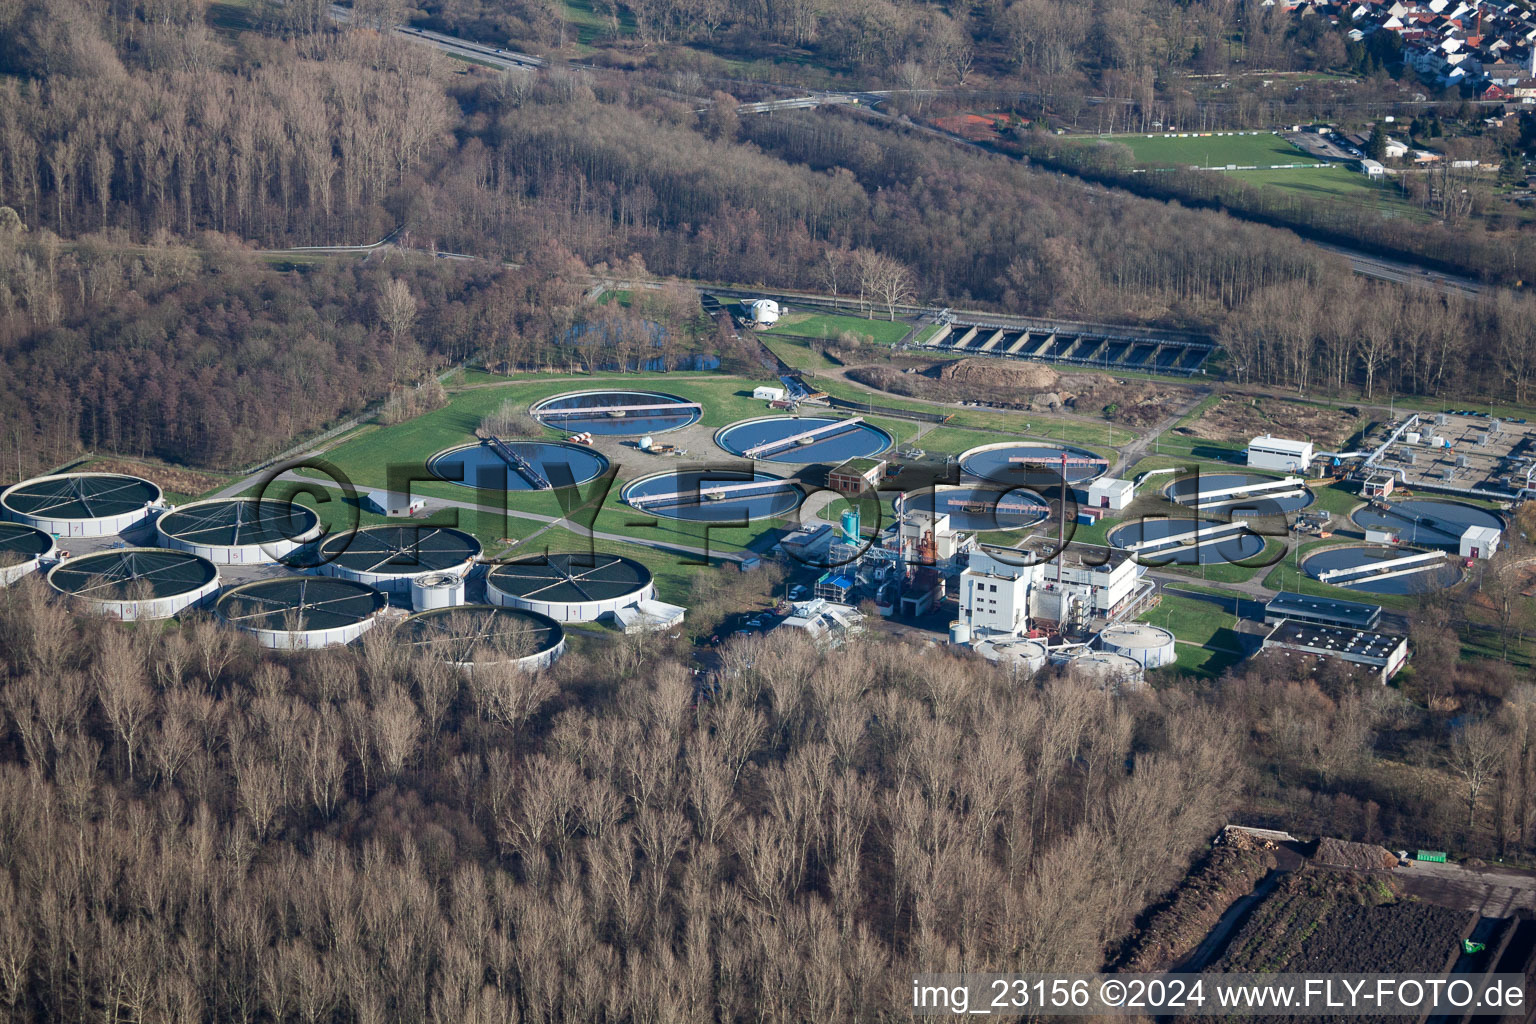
[1279,453]
[1323,611]
[1380,654]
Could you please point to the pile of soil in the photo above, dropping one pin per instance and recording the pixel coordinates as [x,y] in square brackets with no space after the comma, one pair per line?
[1030,387]
[1228,873]
[1244,417]
[167,478]
[1355,856]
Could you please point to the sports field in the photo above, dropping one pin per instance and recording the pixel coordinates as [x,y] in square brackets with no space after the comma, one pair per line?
[1262,150]
[1339,183]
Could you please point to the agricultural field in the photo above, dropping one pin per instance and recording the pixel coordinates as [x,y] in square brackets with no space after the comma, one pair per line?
[1258,150]
[1317,920]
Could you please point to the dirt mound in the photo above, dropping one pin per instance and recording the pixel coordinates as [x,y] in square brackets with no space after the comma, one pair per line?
[1228,873]
[1355,856]
[1244,417]
[1033,387]
[994,373]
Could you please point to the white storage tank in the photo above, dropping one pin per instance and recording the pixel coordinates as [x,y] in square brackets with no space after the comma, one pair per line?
[763,313]
[22,549]
[302,613]
[390,557]
[570,587]
[438,590]
[1147,645]
[239,531]
[1108,669]
[959,633]
[80,504]
[136,584]
[1015,653]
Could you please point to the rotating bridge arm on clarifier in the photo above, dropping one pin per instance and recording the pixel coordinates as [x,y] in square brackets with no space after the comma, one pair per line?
[1198,538]
[1021,509]
[1046,461]
[704,491]
[1291,485]
[606,410]
[522,466]
[770,447]
[1384,570]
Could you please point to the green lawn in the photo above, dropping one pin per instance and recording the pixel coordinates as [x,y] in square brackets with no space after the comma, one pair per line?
[796,352]
[1208,642]
[1337,183]
[829,326]
[1211,150]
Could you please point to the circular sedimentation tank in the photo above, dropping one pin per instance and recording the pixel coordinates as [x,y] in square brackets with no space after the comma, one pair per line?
[556,463]
[713,496]
[617,413]
[1188,541]
[1428,576]
[80,504]
[239,531]
[302,613]
[389,557]
[22,549]
[1107,669]
[833,439]
[1426,523]
[134,584]
[1195,491]
[484,634]
[1032,464]
[980,509]
[1147,645]
[570,587]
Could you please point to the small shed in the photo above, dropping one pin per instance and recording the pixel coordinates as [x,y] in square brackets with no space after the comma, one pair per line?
[768,394]
[390,503]
[1110,492]
[1480,541]
[1373,169]
[649,616]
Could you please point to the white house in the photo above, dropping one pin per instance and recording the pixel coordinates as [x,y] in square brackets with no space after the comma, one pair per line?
[1281,453]
[768,394]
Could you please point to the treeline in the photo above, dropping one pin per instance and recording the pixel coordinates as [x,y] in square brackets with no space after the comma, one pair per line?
[1348,332]
[1452,242]
[195,829]
[211,357]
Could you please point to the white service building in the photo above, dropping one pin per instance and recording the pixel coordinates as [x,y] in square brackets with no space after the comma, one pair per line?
[768,394]
[1480,542]
[1110,492]
[1280,453]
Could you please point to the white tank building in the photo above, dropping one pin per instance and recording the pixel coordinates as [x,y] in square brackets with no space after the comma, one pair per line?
[571,587]
[81,504]
[302,613]
[437,590]
[239,531]
[1107,669]
[1147,645]
[22,549]
[763,313]
[136,584]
